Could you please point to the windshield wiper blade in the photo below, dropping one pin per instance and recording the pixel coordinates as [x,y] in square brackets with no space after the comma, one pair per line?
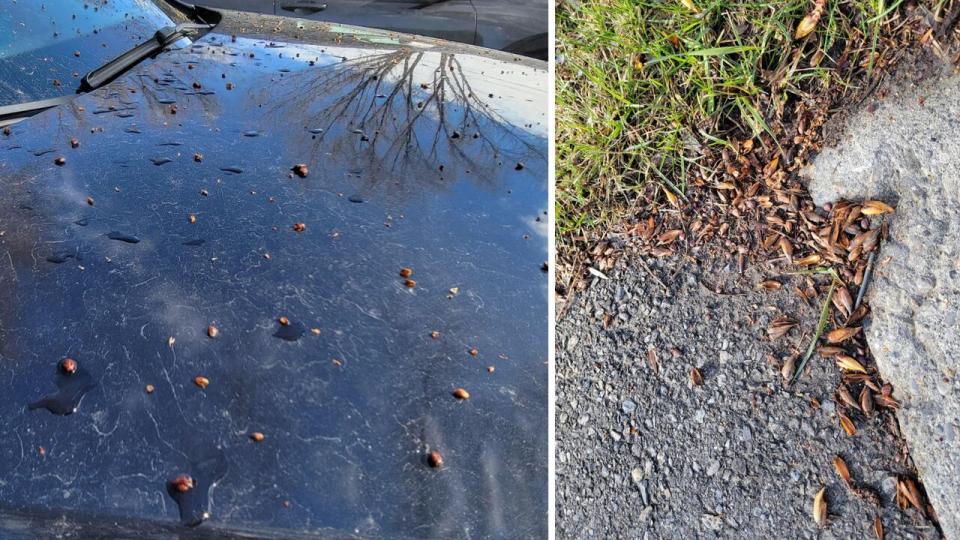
[11,114]
[119,65]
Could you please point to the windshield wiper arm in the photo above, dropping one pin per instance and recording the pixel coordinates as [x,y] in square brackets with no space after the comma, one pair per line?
[119,65]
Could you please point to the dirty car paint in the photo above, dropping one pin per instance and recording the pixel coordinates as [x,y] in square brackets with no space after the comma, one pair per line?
[417,159]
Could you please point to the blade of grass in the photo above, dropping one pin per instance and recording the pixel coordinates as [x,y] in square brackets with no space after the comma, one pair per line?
[821,324]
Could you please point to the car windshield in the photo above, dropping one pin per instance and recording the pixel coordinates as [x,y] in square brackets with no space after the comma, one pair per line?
[46,47]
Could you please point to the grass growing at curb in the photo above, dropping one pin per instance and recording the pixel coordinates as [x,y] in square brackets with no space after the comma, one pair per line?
[648,89]
[821,322]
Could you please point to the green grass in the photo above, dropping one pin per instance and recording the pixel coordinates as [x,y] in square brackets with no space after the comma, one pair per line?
[644,87]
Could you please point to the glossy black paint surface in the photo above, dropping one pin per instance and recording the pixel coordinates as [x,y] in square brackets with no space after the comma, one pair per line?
[46,46]
[417,158]
[507,25]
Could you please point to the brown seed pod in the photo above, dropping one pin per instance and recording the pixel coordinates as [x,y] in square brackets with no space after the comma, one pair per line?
[410,283]
[866,402]
[213,331]
[300,169]
[299,227]
[840,466]
[820,507]
[847,424]
[406,272]
[842,334]
[74,143]
[182,483]
[201,381]
[434,459]
[69,366]
[696,379]
[461,394]
[256,436]
[60,160]
[150,388]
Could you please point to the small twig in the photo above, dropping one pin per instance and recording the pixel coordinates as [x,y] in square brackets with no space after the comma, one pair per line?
[654,276]
[866,279]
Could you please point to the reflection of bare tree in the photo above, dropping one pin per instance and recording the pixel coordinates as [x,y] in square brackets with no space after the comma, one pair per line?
[400,123]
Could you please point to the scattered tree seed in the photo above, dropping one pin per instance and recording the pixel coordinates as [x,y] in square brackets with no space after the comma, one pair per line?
[406,272]
[435,334]
[74,143]
[256,436]
[461,394]
[213,331]
[284,320]
[434,459]
[60,160]
[68,365]
[183,483]
[410,283]
[301,170]
[299,227]
[201,381]
[474,351]
[150,388]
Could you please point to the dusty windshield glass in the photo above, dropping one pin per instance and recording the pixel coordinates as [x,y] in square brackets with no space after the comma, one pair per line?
[46,47]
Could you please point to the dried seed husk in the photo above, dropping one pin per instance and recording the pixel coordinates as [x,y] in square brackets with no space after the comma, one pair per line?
[826,351]
[911,493]
[696,379]
[770,285]
[886,402]
[788,367]
[844,395]
[842,334]
[874,208]
[843,301]
[652,361]
[809,260]
[840,466]
[820,507]
[669,237]
[847,424]
[780,326]
[848,363]
[866,401]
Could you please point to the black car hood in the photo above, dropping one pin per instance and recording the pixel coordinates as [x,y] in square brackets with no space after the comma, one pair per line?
[123,255]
